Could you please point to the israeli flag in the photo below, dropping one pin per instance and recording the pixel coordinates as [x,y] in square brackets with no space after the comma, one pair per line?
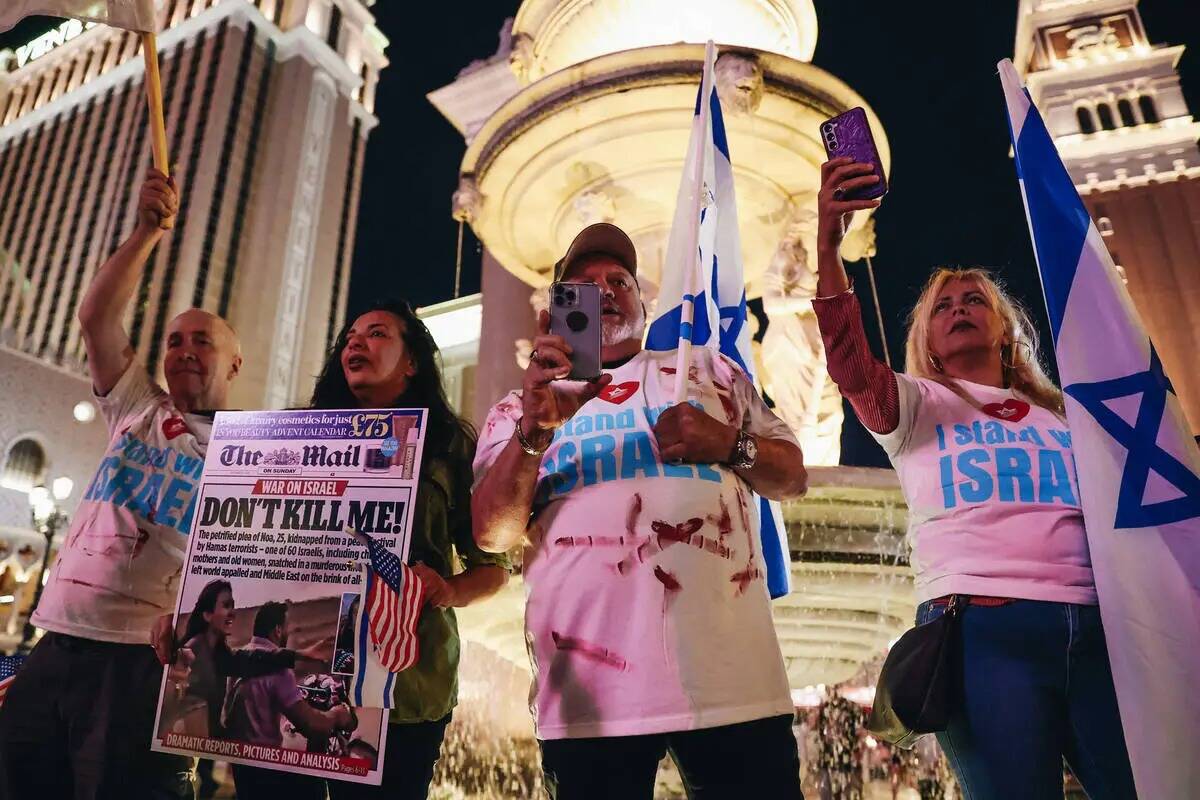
[133,15]
[1137,462]
[703,269]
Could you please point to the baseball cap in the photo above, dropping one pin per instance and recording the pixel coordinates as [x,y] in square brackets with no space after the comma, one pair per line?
[600,237]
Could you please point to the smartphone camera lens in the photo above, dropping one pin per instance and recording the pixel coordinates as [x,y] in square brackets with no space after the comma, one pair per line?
[577,321]
[570,293]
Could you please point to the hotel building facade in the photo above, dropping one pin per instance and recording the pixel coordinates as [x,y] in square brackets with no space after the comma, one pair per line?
[268,105]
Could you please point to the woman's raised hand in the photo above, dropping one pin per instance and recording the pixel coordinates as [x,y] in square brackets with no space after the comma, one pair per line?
[839,176]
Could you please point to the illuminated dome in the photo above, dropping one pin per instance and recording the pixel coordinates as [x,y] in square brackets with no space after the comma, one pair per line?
[561,34]
[605,140]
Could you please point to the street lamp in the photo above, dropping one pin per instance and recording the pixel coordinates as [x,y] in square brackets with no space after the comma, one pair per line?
[47,519]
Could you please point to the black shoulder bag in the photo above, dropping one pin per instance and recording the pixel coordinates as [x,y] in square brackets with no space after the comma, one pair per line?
[921,680]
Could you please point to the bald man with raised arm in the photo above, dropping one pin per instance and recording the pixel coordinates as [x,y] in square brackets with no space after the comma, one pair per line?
[78,719]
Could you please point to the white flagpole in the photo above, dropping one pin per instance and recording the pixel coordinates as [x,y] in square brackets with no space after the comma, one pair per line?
[687,310]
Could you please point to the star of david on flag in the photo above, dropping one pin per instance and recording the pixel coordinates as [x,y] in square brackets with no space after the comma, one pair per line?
[703,269]
[1137,463]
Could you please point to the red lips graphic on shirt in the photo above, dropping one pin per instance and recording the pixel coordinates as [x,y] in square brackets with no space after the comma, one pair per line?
[618,393]
[173,426]
[1009,411]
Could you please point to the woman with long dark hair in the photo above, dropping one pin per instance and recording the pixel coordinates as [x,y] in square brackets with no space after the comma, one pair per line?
[385,357]
[976,431]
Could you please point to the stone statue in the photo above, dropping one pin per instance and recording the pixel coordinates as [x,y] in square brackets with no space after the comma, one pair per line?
[594,205]
[793,356]
[520,57]
[466,200]
[739,83]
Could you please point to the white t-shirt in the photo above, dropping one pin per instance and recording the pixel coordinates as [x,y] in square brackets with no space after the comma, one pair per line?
[118,569]
[993,499]
[647,609]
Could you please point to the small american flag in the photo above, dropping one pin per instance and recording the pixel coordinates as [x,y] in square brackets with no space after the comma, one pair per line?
[394,595]
[8,673]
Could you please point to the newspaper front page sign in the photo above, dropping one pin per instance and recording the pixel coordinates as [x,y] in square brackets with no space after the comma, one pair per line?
[268,612]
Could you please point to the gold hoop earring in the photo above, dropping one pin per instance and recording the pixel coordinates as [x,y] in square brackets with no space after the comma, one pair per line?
[936,363]
[1011,348]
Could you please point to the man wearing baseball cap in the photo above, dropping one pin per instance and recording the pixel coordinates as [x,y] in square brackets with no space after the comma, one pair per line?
[647,620]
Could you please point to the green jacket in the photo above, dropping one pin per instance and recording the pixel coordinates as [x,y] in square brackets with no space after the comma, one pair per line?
[442,539]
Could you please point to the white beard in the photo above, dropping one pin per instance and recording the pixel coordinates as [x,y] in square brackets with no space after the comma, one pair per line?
[615,333]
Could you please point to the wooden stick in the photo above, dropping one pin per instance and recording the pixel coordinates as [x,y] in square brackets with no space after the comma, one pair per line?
[154,100]
[887,357]
[458,258]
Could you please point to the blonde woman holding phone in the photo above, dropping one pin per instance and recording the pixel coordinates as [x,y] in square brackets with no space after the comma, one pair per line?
[976,432]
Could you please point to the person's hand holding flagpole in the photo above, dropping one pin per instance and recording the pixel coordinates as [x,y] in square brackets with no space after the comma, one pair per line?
[132,15]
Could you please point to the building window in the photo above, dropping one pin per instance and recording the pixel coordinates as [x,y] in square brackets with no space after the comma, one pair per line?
[14,105]
[24,465]
[77,72]
[1104,111]
[30,96]
[106,60]
[1149,112]
[1125,109]
[364,74]
[334,34]
[46,86]
[60,79]
[95,58]
[1087,123]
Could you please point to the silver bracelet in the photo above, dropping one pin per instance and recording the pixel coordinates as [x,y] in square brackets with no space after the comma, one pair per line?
[527,445]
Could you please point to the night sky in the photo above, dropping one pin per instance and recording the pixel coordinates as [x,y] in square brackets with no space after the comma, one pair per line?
[927,69]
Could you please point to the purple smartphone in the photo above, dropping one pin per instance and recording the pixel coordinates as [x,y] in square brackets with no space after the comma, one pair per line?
[849,135]
[575,316]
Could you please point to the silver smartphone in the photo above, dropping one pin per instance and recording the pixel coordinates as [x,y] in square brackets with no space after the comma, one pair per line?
[575,316]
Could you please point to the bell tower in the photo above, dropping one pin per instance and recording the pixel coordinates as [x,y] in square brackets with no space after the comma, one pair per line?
[1113,102]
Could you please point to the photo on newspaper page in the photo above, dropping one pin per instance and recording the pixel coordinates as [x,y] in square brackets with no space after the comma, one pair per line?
[272,636]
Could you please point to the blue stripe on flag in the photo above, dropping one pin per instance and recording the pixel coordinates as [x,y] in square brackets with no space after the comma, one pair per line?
[360,669]
[718,124]
[387,686]
[1062,221]
[775,555]
[664,333]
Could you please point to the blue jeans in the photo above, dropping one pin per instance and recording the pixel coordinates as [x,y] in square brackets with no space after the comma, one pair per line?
[1037,688]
